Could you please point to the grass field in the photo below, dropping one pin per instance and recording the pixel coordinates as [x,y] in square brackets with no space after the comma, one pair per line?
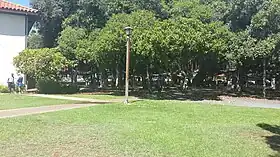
[145,128]
[12,101]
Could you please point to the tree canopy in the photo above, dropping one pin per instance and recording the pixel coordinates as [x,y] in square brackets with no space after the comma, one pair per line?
[192,36]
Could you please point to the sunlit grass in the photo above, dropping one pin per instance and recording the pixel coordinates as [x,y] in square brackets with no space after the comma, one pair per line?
[144,128]
[12,101]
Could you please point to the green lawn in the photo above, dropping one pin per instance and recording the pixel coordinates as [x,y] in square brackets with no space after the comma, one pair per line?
[12,101]
[144,128]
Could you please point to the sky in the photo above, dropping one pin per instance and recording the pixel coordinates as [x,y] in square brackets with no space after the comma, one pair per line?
[21,2]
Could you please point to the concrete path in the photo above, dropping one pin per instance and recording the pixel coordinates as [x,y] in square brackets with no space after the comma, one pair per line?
[225,100]
[71,98]
[132,99]
[251,102]
[45,109]
[232,101]
[39,110]
[243,102]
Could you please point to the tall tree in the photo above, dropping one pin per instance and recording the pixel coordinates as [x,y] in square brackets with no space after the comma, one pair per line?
[241,13]
[35,41]
[52,13]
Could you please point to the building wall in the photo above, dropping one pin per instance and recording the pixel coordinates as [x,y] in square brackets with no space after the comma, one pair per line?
[12,41]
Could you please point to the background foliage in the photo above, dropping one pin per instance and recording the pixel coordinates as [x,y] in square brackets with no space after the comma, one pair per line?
[200,38]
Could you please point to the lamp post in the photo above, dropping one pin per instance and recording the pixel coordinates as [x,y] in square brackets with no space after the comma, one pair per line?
[128,31]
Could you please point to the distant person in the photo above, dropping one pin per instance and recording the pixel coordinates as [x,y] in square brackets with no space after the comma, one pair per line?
[20,84]
[11,83]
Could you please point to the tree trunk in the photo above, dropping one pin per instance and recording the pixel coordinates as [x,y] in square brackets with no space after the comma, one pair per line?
[264,78]
[105,79]
[133,82]
[118,79]
[101,80]
[148,79]
[242,79]
[75,75]
[122,79]
[238,81]
[72,76]
[93,81]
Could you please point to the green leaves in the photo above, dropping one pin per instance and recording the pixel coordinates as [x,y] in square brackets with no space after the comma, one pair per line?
[35,41]
[167,35]
[68,41]
[267,21]
[192,9]
[51,15]
[241,12]
[243,46]
[41,63]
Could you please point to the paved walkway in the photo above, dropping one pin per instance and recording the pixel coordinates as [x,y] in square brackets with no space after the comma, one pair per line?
[81,99]
[251,102]
[225,100]
[45,109]
[244,102]
[71,98]
[39,110]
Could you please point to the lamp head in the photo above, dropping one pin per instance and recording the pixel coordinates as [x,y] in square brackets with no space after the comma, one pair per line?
[128,31]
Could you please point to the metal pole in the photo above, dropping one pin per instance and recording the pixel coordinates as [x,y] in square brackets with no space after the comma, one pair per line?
[127,70]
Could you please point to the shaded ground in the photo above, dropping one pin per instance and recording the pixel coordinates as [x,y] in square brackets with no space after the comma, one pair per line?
[195,95]
[99,96]
[170,94]
[258,94]
[144,128]
[274,139]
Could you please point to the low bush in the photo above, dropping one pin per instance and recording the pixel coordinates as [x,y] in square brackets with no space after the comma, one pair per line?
[42,63]
[4,89]
[54,87]
[48,87]
[69,89]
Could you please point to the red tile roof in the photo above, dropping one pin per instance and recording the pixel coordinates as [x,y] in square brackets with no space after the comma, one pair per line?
[15,7]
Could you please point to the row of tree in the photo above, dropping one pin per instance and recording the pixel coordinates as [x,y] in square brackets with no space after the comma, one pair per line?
[198,38]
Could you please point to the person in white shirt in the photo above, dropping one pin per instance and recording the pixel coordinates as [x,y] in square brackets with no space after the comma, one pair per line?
[11,83]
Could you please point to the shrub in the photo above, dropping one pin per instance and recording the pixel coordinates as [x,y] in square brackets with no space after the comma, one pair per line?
[48,87]
[4,89]
[69,89]
[55,87]
[41,63]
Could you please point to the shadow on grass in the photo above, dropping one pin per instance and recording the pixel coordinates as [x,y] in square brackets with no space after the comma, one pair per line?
[172,94]
[91,102]
[194,94]
[274,140]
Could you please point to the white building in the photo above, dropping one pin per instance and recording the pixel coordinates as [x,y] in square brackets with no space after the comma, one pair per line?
[15,24]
